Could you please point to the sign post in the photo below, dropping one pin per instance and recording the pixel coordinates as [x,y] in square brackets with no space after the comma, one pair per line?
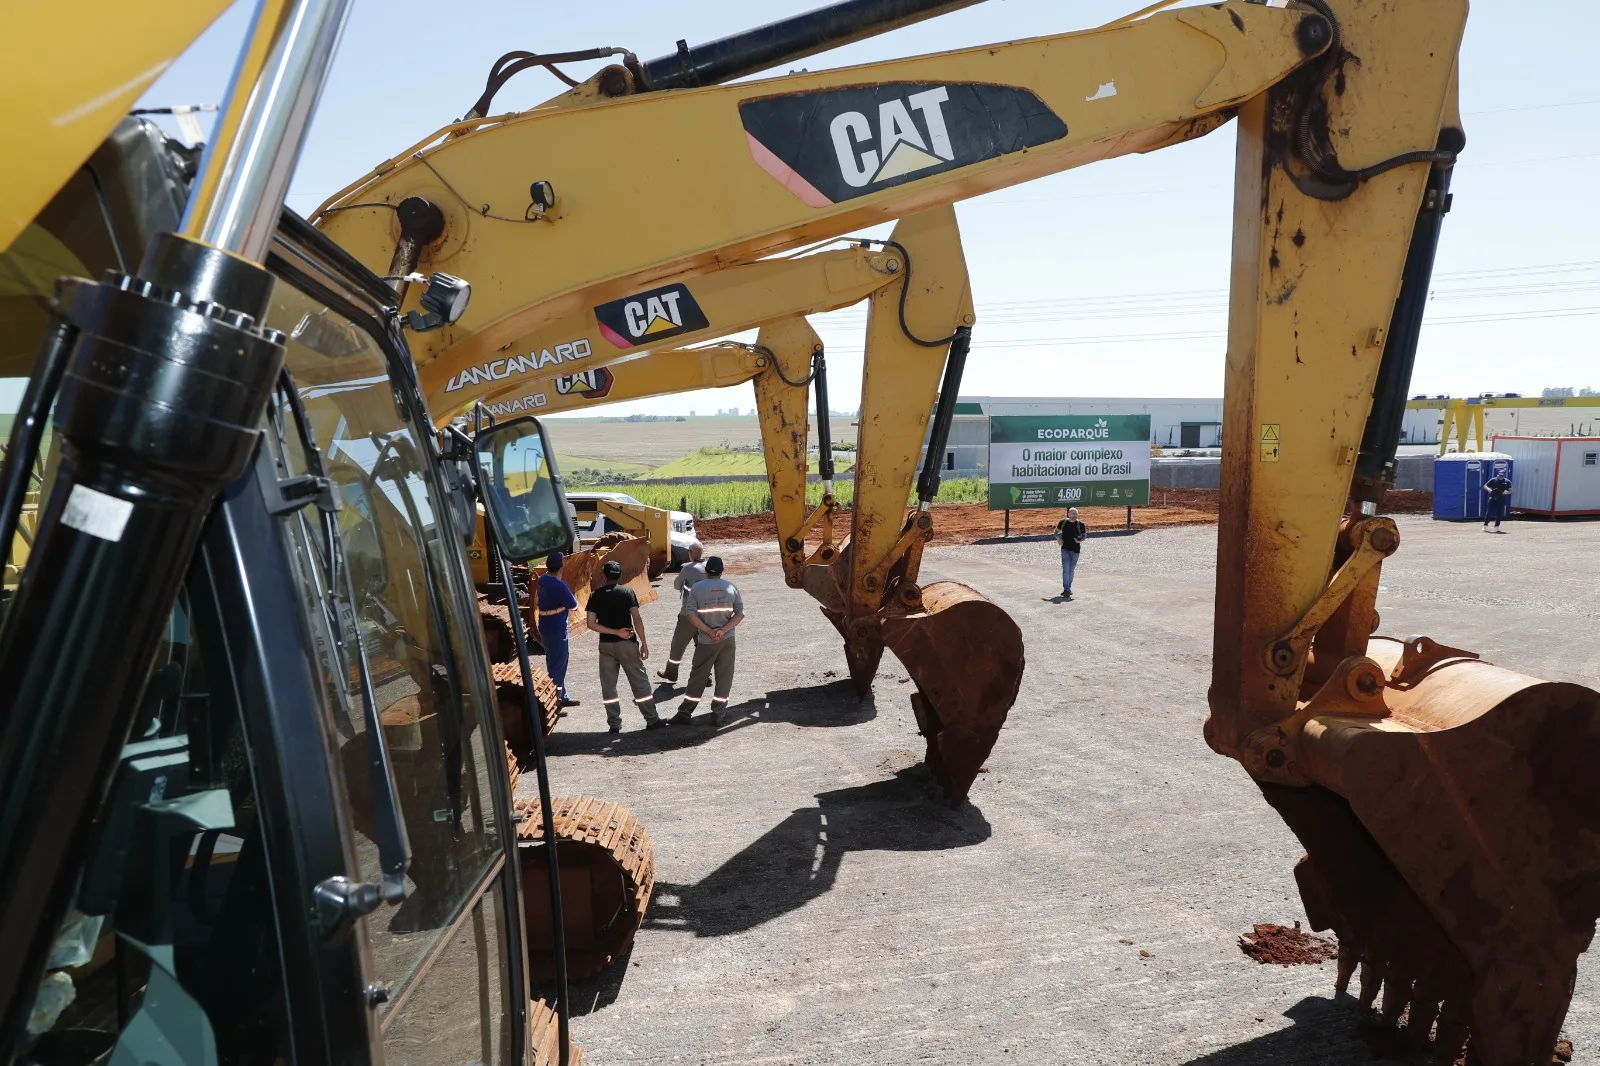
[1069,461]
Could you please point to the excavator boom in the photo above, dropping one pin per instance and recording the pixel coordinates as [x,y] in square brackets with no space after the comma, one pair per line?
[753,169]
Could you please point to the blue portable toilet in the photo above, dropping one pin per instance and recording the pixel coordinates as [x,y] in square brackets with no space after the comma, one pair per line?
[1458,483]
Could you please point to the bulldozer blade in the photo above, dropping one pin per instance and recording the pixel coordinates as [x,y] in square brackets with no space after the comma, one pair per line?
[1454,846]
[608,871]
[965,656]
[580,572]
[634,555]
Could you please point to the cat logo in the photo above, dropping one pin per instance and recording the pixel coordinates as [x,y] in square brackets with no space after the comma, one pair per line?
[836,144]
[900,146]
[647,317]
[590,384]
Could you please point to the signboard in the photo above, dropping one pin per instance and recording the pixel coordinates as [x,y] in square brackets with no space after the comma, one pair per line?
[1068,461]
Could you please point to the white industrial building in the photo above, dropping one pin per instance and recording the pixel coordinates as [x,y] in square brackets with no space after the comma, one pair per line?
[1178,423]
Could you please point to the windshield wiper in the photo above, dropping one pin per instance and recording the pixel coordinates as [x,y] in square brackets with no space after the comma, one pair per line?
[394,846]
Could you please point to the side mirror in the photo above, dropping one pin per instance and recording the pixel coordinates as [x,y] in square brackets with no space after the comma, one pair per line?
[521,490]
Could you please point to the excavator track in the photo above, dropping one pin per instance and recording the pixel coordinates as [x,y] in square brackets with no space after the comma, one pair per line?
[497,639]
[608,871]
[544,1037]
[513,707]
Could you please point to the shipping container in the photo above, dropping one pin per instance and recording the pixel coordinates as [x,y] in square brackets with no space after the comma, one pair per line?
[1555,475]
[1458,483]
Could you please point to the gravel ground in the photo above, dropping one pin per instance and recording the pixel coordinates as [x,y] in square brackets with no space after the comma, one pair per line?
[815,905]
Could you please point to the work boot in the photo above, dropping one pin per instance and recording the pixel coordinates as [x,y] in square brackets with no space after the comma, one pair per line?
[568,701]
[614,727]
[666,678]
[681,718]
[655,723]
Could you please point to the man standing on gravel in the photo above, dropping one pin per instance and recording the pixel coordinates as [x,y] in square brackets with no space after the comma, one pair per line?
[1499,490]
[553,600]
[613,612]
[688,574]
[1070,534]
[714,607]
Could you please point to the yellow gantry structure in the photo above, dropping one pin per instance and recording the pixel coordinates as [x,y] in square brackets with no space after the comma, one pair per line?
[1463,418]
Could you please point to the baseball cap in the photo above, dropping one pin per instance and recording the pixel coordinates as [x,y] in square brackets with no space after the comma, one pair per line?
[611,568]
[553,561]
[714,564]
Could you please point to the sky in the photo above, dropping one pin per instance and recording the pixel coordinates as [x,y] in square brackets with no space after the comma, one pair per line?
[1107,280]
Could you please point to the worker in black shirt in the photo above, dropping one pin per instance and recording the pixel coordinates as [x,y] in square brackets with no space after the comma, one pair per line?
[613,612]
[1070,534]
[1499,490]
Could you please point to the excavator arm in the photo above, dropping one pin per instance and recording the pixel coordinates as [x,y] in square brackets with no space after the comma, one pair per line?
[527,376]
[1443,802]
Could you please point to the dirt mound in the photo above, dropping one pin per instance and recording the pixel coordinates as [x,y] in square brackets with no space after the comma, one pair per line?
[967,523]
[1278,945]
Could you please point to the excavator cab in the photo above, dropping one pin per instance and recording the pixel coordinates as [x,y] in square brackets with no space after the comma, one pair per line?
[306,850]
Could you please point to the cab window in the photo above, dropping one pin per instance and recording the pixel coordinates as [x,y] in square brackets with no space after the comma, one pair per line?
[442,947]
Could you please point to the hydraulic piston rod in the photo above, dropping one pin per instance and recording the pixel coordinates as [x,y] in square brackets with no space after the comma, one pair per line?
[788,39]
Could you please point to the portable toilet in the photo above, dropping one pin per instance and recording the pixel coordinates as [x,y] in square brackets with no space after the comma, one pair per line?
[1555,475]
[1458,483]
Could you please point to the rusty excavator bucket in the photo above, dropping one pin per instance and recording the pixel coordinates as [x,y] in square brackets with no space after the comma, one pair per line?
[1451,834]
[963,653]
[965,656]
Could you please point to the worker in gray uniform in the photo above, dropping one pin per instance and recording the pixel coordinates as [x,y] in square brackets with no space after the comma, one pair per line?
[683,633]
[715,608]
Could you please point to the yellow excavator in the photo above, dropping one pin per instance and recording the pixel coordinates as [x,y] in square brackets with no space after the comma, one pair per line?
[1387,758]
[1443,801]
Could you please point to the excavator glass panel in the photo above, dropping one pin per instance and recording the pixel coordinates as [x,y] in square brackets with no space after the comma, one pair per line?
[441,946]
[172,929]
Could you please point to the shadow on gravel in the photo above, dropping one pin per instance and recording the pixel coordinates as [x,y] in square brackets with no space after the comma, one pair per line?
[832,704]
[797,860]
[599,991]
[1324,1033]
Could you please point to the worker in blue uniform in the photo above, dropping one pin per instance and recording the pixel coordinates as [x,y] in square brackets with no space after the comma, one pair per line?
[553,601]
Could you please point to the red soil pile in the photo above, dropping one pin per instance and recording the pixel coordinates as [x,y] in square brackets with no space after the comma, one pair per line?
[1278,945]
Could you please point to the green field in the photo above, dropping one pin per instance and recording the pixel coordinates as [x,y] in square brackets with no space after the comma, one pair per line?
[721,462]
[579,471]
[753,497]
